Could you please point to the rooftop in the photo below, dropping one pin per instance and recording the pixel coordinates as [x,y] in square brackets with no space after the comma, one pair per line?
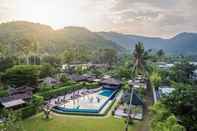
[13,103]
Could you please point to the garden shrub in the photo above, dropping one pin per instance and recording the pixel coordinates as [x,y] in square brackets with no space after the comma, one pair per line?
[27,111]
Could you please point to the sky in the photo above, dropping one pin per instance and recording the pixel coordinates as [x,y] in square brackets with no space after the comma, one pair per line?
[159,18]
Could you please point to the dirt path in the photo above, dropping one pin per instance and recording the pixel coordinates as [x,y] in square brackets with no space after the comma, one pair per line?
[145,124]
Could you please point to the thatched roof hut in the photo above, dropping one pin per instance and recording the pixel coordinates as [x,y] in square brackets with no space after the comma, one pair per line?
[111,82]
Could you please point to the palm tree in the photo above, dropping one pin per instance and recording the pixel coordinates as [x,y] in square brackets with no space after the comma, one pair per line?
[47,111]
[138,55]
[160,54]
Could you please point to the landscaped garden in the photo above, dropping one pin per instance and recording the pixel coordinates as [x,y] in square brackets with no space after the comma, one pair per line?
[115,96]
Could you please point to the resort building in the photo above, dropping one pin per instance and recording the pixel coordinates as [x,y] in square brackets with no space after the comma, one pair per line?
[194,75]
[163,91]
[17,97]
[164,66]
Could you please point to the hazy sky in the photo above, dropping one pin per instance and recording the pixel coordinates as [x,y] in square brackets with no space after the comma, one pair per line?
[146,17]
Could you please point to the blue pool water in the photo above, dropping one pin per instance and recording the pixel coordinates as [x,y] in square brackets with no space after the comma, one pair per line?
[106,92]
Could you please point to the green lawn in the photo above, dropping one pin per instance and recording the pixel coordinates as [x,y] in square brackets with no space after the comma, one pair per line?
[68,123]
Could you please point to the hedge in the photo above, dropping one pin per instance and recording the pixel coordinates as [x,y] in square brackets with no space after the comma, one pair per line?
[27,111]
[3,93]
[66,89]
[31,109]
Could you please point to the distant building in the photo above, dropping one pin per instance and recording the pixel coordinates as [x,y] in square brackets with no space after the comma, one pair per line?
[194,75]
[138,82]
[50,81]
[193,63]
[165,66]
[164,91]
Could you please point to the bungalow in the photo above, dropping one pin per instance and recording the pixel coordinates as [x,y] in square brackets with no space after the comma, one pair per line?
[14,101]
[17,97]
[111,83]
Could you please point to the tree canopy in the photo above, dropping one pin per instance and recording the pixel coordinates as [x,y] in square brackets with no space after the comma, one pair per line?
[183,103]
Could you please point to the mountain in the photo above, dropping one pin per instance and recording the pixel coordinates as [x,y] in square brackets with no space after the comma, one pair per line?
[13,34]
[183,43]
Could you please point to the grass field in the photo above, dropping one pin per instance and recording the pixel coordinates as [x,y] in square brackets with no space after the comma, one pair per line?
[68,123]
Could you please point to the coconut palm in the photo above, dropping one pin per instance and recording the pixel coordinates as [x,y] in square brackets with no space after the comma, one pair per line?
[160,54]
[138,55]
[47,111]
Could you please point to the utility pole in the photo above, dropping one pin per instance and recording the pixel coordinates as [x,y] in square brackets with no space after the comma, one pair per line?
[129,111]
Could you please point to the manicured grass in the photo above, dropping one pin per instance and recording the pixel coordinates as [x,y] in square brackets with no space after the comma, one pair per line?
[69,123]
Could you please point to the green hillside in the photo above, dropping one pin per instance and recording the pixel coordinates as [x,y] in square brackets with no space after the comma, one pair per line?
[15,35]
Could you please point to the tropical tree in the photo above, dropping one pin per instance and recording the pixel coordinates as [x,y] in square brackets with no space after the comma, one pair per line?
[52,60]
[47,111]
[183,102]
[3,51]
[163,120]
[160,54]
[155,78]
[138,60]
[46,70]
[12,121]
[182,72]
[20,75]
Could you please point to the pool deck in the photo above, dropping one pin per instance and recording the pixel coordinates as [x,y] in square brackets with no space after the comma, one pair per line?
[118,97]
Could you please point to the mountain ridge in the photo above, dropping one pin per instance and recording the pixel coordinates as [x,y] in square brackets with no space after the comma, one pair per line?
[182,43]
[49,40]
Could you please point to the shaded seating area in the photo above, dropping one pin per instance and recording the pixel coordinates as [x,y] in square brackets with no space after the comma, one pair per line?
[136,107]
[136,100]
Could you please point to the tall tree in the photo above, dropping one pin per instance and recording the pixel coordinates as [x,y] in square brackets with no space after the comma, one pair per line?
[160,54]
[182,72]
[138,60]
[12,121]
[109,56]
[183,103]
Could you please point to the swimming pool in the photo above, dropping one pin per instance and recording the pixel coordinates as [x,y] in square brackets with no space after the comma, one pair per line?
[91,103]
